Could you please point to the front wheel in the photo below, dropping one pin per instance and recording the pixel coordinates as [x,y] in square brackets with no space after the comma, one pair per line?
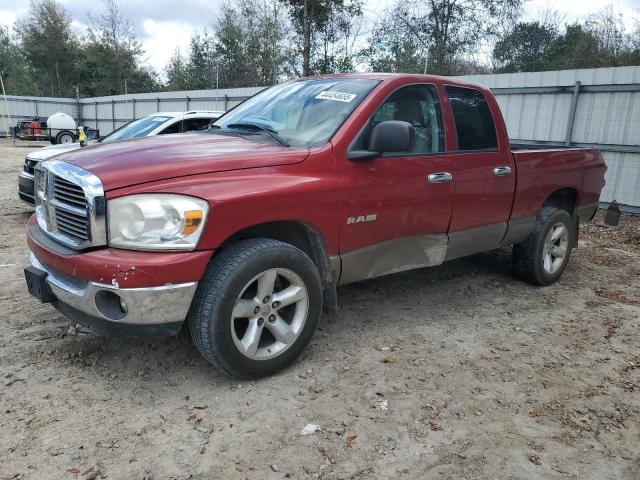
[256,308]
[544,255]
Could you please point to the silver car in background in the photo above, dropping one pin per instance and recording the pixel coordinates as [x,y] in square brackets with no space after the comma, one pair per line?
[160,123]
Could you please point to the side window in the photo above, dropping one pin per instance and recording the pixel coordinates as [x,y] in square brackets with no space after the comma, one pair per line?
[474,123]
[173,128]
[418,105]
[195,124]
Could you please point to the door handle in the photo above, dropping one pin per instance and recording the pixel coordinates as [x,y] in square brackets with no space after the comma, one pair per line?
[501,171]
[440,177]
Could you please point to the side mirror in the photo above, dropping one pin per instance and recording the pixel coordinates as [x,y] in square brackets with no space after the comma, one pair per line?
[389,136]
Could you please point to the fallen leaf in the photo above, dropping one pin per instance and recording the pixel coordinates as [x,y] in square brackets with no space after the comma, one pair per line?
[389,360]
[87,471]
[534,413]
[350,439]
[74,471]
[535,459]
[133,459]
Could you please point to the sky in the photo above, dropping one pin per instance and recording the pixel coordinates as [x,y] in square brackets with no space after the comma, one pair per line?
[168,25]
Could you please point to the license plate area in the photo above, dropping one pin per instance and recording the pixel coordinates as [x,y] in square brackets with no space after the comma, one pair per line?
[37,284]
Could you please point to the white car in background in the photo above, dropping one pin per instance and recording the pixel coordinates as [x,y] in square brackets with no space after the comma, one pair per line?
[160,123]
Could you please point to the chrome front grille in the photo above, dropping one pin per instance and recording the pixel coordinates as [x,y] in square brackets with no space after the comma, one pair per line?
[70,204]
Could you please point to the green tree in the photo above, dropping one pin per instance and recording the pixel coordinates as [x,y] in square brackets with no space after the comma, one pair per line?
[577,48]
[247,47]
[202,63]
[17,77]
[111,61]
[325,31]
[251,44]
[50,46]
[392,47]
[527,48]
[176,72]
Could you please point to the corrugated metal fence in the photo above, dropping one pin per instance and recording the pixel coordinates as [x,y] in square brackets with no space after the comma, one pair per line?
[108,113]
[599,107]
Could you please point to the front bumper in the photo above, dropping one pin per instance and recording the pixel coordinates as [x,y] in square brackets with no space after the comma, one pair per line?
[97,305]
[26,188]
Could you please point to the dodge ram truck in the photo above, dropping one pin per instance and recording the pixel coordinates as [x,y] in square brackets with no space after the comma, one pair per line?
[244,232]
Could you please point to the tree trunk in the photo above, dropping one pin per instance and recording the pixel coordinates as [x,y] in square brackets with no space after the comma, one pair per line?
[306,48]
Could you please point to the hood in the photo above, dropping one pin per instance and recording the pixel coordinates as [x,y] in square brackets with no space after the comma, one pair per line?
[45,153]
[149,159]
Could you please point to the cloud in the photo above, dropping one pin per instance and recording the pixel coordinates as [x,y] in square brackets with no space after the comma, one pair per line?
[161,38]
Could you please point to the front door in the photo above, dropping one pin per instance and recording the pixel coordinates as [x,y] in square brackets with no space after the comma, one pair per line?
[395,218]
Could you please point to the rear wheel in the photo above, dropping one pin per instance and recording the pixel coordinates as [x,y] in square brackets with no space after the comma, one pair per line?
[64,138]
[544,255]
[256,308]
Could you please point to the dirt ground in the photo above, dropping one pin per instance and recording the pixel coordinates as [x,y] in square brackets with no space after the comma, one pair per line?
[459,371]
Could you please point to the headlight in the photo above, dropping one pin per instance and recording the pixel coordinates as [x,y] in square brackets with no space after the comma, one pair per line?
[156,221]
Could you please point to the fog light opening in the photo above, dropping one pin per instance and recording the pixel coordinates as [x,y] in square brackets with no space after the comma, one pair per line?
[110,305]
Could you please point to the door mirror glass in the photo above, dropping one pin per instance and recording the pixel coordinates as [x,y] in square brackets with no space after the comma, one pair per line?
[392,136]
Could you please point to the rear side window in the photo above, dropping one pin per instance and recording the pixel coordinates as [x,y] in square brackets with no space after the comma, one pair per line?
[474,123]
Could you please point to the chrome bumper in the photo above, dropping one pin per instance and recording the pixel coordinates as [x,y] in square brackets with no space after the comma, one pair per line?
[131,306]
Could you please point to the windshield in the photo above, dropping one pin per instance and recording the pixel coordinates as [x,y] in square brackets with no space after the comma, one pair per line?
[304,113]
[138,128]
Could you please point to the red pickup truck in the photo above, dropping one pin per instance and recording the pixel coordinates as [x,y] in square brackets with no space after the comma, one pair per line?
[246,230]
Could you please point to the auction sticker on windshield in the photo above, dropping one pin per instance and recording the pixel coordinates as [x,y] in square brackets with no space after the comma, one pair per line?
[337,96]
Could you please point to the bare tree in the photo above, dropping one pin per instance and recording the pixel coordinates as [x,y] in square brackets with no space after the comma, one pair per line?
[448,33]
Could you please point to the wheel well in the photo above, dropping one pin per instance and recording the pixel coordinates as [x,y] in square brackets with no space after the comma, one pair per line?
[565,199]
[298,234]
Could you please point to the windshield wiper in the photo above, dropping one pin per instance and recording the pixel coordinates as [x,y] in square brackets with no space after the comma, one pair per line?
[272,133]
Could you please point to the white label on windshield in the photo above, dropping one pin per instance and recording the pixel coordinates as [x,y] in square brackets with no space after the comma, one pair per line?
[336,96]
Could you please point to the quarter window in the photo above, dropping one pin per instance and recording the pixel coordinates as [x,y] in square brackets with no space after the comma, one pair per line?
[419,106]
[474,124]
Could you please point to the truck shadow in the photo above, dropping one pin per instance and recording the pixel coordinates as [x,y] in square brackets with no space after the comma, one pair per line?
[172,360]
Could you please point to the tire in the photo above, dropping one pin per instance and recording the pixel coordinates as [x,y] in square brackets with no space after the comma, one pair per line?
[533,259]
[65,137]
[224,315]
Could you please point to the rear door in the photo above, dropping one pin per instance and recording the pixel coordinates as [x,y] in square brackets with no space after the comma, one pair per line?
[483,171]
[395,218]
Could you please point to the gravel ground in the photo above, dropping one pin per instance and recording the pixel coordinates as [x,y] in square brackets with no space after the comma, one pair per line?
[459,371]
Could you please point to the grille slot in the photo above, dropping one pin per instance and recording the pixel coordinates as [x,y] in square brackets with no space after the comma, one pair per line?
[72,224]
[69,193]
